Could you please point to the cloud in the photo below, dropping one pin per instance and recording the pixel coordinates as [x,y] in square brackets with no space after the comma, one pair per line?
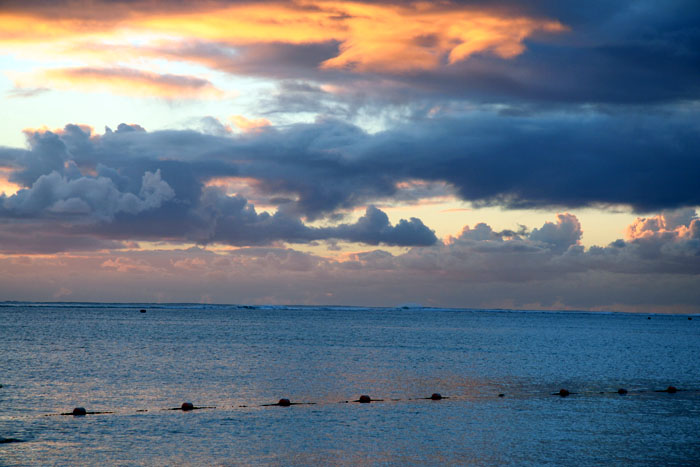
[560,236]
[323,169]
[479,268]
[518,55]
[123,186]
[96,197]
[421,36]
[247,124]
[23,92]
[31,237]
[125,81]
[678,224]
[374,228]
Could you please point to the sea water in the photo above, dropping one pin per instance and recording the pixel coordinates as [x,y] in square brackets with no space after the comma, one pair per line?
[113,358]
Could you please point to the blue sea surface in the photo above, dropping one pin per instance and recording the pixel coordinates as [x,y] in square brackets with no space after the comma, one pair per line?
[112,358]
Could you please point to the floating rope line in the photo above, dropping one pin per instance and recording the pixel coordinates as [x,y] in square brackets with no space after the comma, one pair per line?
[80,411]
[365,399]
[287,403]
[187,406]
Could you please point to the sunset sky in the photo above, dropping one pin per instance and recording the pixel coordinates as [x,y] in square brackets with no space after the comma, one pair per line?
[499,154]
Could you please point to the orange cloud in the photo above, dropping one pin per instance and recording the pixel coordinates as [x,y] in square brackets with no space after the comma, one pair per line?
[681,223]
[7,187]
[397,38]
[372,37]
[248,124]
[125,81]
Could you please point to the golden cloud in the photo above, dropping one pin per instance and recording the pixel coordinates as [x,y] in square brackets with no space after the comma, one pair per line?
[372,37]
[125,81]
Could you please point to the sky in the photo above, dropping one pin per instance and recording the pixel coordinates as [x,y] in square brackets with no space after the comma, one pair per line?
[472,154]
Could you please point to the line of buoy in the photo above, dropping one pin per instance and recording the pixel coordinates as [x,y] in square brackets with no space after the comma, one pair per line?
[363,399]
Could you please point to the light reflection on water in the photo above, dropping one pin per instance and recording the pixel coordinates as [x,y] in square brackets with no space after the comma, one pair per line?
[116,359]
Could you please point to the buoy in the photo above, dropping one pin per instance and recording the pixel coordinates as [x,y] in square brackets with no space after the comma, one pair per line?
[671,390]
[690,318]
[435,396]
[143,311]
[648,317]
[186,406]
[10,440]
[79,411]
[364,399]
[284,403]
[622,391]
[501,395]
[563,392]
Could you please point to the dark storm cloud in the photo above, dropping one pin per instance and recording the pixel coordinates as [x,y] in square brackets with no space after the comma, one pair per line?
[645,162]
[131,181]
[131,184]
[615,52]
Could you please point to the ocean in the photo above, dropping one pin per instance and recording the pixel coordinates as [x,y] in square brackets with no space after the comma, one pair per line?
[497,371]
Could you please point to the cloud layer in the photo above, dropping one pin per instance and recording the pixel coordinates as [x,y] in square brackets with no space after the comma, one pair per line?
[318,169]
[556,53]
[308,116]
[540,268]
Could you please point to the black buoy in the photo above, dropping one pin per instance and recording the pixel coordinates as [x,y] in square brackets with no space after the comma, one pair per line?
[187,406]
[622,391]
[79,411]
[284,403]
[10,440]
[143,311]
[364,399]
[648,317]
[690,318]
[563,392]
[671,390]
[501,395]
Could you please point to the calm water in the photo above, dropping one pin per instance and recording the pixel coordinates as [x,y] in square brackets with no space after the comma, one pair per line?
[113,358]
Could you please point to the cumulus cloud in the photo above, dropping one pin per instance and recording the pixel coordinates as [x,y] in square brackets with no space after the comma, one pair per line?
[678,224]
[479,268]
[559,236]
[117,187]
[85,196]
[164,183]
